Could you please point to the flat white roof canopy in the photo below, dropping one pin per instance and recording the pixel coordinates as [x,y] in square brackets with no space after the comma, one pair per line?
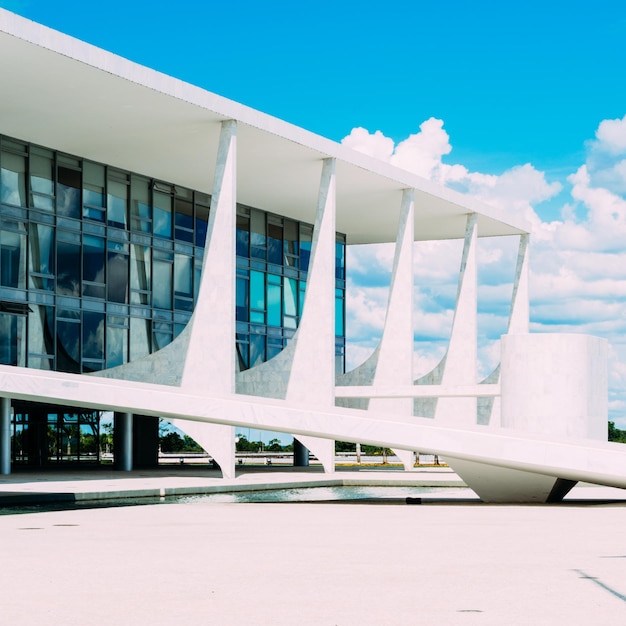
[65,94]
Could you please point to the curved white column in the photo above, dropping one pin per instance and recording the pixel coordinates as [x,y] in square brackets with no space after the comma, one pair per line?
[394,363]
[312,375]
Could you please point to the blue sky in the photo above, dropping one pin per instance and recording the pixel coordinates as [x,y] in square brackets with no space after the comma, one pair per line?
[520,104]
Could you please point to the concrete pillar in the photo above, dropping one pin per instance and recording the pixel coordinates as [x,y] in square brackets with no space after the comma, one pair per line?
[5,436]
[123,432]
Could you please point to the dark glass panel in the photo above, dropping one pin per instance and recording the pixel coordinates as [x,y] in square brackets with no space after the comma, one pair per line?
[340,260]
[306,242]
[13,258]
[202,224]
[243,351]
[93,266]
[68,192]
[12,179]
[183,220]
[68,268]
[93,335]
[242,298]
[68,342]
[117,271]
[243,235]
[12,339]
[275,243]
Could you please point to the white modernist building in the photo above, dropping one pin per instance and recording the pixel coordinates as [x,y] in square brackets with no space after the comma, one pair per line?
[168,252]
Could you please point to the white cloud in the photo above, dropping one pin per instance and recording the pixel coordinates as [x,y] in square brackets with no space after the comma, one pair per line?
[578,262]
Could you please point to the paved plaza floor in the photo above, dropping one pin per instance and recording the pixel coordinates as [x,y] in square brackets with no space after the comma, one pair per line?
[444,562]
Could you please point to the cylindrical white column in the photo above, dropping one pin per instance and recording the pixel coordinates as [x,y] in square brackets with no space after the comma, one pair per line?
[555,384]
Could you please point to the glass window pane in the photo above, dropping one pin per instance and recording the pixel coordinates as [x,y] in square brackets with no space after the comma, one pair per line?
[68,268]
[290,242]
[275,243]
[202,224]
[291,297]
[93,184]
[242,299]
[183,220]
[139,337]
[117,202]
[140,274]
[243,235]
[12,339]
[162,214]
[40,332]
[257,234]
[13,179]
[257,290]
[257,349]
[117,271]
[141,211]
[274,317]
[339,301]
[93,335]
[116,346]
[13,259]
[41,181]
[306,242]
[162,290]
[93,265]
[183,275]
[68,192]
[68,346]
[41,256]
[340,260]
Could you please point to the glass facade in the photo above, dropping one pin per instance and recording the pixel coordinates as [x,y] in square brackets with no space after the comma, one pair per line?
[100,266]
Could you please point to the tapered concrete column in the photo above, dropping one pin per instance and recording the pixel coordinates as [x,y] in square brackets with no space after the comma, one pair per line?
[312,376]
[123,432]
[210,363]
[519,316]
[461,359]
[5,436]
[395,355]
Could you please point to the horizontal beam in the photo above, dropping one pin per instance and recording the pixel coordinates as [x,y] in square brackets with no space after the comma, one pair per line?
[418,391]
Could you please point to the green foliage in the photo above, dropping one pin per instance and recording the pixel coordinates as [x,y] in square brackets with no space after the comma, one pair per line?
[173,442]
[615,434]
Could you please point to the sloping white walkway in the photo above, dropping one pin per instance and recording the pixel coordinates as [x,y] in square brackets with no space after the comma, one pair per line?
[570,459]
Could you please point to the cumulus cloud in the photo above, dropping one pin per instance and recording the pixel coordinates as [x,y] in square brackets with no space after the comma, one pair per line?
[578,262]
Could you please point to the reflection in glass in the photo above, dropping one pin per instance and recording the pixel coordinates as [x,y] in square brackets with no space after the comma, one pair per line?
[141,211]
[13,258]
[161,335]
[13,179]
[257,350]
[68,192]
[257,234]
[243,235]
[183,283]
[93,335]
[117,201]
[68,341]
[40,337]
[12,339]
[41,256]
[68,268]
[140,277]
[202,224]
[274,317]
[162,214]
[139,338]
[116,345]
[242,297]
[183,220]
[93,266]
[274,243]
[339,313]
[162,283]
[290,300]
[41,181]
[117,272]
[306,243]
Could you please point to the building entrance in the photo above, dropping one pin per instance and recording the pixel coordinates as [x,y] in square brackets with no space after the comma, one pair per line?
[44,435]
